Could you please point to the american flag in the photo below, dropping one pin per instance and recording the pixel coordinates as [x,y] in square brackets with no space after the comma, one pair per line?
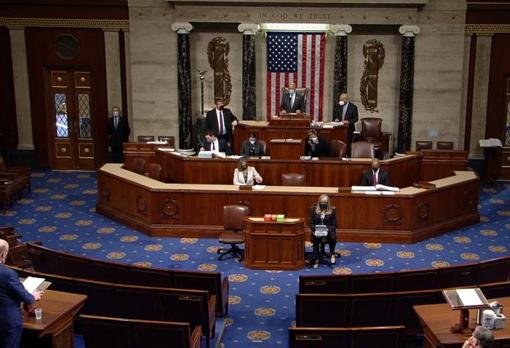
[298,58]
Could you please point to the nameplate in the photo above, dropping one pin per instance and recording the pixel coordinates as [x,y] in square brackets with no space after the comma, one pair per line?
[245,187]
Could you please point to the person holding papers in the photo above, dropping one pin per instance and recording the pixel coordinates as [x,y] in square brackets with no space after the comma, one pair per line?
[246,175]
[12,294]
[316,146]
[214,144]
[323,225]
[375,175]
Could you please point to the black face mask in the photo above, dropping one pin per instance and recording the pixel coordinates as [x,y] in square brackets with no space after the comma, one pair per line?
[323,206]
[221,107]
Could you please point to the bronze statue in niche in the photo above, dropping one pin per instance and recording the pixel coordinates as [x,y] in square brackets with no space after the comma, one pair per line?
[217,52]
[373,51]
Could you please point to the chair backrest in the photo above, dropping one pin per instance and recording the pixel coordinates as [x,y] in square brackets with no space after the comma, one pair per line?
[139,165]
[293,179]
[170,139]
[445,145]
[338,149]
[145,138]
[423,145]
[3,166]
[155,171]
[362,149]
[233,216]
[371,128]
[300,91]
[264,145]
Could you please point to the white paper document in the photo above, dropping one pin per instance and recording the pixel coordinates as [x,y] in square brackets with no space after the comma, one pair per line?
[362,188]
[31,284]
[491,142]
[258,187]
[469,297]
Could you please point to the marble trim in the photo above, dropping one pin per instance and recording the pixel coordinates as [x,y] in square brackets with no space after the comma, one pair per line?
[105,24]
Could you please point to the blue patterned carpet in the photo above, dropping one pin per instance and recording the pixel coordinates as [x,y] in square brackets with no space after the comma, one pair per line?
[60,211]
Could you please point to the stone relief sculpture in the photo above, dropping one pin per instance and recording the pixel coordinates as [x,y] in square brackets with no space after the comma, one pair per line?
[217,52]
[373,51]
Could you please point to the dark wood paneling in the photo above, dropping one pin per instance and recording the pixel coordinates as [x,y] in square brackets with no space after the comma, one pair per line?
[41,55]
[496,99]
[8,126]
[470,87]
[488,12]
[93,9]
[123,78]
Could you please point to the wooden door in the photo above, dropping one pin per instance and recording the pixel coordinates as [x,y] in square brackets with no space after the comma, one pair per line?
[69,119]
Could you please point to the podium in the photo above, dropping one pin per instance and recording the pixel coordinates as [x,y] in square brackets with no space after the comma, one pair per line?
[295,120]
[274,245]
[290,149]
[55,329]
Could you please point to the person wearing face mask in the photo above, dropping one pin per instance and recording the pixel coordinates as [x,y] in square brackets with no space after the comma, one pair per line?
[246,175]
[222,122]
[316,146]
[375,175]
[323,214]
[252,147]
[118,133]
[348,114]
[292,102]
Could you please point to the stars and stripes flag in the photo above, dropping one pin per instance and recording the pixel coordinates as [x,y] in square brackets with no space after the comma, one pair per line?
[298,58]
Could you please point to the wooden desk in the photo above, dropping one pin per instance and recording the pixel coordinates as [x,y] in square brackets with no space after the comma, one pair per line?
[286,149]
[267,132]
[59,311]
[274,245]
[438,318]
[409,216]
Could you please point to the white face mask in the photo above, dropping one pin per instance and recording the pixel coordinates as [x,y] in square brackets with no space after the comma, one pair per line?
[116,114]
[313,139]
[292,91]
[341,103]
[252,141]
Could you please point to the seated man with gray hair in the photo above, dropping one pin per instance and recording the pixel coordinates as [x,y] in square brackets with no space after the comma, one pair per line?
[481,338]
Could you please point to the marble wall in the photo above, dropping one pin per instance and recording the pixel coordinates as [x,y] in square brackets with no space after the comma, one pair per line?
[439,63]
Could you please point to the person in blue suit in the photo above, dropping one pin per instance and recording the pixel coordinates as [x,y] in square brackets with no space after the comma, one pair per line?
[12,294]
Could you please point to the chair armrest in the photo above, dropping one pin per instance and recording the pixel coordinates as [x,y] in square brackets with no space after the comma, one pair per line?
[225,288]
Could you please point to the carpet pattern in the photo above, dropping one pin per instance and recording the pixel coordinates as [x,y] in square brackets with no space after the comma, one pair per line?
[60,212]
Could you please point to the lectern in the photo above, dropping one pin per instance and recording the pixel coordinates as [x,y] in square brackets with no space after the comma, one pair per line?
[274,245]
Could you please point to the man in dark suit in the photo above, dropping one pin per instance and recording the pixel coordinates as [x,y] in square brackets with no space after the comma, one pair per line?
[252,147]
[222,122]
[118,133]
[12,294]
[348,114]
[213,143]
[375,175]
[292,102]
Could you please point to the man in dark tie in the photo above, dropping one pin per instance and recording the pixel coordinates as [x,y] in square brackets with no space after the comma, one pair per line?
[118,133]
[291,101]
[222,122]
[375,175]
[12,294]
[215,144]
[348,114]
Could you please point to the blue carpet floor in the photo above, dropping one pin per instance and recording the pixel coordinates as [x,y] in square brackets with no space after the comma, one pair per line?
[60,212]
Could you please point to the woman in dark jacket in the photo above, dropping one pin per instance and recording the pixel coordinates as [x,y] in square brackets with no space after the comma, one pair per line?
[323,214]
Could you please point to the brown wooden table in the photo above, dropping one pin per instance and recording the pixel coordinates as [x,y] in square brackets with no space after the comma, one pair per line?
[437,319]
[55,329]
[284,130]
[274,245]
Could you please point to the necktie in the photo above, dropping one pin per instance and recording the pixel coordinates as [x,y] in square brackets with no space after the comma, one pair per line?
[212,146]
[222,129]
[344,111]
[374,178]
[116,122]
[292,101]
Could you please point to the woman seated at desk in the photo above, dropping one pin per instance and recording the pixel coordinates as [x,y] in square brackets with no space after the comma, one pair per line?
[316,146]
[245,175]
[323,217]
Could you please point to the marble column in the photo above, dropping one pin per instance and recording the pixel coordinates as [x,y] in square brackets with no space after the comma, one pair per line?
[21,90]
[405,117]
[184,83]
[249,31]
[340,70]
[113,78]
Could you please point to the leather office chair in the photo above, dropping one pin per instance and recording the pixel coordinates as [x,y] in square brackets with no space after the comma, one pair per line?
[445,145]
[300,91]
[362,149]
[155,171]
[293,179]
[338,149]
[264,144]
[423,145]
[233,234]
[145,138]
[170,139]
[371,131]
[139,165]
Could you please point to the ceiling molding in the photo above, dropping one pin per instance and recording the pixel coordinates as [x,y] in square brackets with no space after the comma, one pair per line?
[105,24]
